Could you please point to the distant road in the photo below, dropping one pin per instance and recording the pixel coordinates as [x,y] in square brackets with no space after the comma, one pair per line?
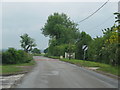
[52,73]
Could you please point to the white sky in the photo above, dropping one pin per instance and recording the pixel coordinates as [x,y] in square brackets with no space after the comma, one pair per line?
[29,17]
[58,0]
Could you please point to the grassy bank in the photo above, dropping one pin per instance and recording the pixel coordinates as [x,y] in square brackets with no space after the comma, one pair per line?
[15,68]
[102,67]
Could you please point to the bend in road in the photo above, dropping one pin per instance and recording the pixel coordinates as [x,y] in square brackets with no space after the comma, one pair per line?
[52,73]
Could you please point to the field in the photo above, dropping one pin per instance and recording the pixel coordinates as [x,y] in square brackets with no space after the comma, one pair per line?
[15,68]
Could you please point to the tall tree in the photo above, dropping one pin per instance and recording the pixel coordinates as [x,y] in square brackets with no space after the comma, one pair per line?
[27,42]
[60,27]
[61,30]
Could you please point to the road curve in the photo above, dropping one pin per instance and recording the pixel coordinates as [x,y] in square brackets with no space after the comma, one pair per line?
[52,73]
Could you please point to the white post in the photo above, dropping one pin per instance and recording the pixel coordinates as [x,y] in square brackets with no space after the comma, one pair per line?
[74,55]
[65,54]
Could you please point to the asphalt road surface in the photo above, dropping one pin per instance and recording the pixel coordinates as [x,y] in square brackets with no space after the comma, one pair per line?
[52,73]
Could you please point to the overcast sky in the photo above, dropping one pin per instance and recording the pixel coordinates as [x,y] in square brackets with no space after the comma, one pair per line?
[29,17]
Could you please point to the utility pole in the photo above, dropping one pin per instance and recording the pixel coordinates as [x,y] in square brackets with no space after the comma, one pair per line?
[118,12]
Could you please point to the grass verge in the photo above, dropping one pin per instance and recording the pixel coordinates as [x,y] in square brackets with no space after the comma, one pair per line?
[15,68]
[35,54]
[54,57]
[102,67]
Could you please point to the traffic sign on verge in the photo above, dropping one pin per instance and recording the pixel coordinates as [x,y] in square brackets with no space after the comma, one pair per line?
[85,47]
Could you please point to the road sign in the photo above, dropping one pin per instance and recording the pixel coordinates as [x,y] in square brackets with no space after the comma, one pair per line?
[85,47]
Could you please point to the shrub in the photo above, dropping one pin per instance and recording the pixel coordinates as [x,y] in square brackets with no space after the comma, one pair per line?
[46,55]
[10,56]
[13,56]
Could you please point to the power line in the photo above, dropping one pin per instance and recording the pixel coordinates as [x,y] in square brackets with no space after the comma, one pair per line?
[94,12]
[106,20]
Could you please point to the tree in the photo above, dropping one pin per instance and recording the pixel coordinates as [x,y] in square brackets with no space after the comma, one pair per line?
[36,50]
[83,39]
[61,30]
[57,25]
[60,27]
[27,43]
[112,45]
[118,30]
[46,50]
[94,49]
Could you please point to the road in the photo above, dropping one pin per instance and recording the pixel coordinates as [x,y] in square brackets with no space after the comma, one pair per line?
[52,73]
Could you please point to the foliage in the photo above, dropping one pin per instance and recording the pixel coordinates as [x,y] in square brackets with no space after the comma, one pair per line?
[27,42]
[61,49]
[62,32]
[0,52]
[46,54]
[46,50]
[13,56]
[54,57]
[94,50]
[105,49]
[36,50]
[65,37]
[59,26]
[83,39]
[112,45]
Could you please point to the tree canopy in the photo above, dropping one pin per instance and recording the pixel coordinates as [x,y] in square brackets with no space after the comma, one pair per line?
[62,32]
[61,28]
[27,42]
[36,50]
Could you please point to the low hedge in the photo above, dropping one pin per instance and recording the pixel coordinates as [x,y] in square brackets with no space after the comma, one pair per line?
[13,56]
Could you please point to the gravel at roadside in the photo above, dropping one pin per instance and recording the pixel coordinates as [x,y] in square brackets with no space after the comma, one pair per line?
[8,81]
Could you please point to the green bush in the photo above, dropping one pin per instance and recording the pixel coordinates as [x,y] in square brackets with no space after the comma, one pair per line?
[36,54]
[54,57]
[13,56]
[46,55]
